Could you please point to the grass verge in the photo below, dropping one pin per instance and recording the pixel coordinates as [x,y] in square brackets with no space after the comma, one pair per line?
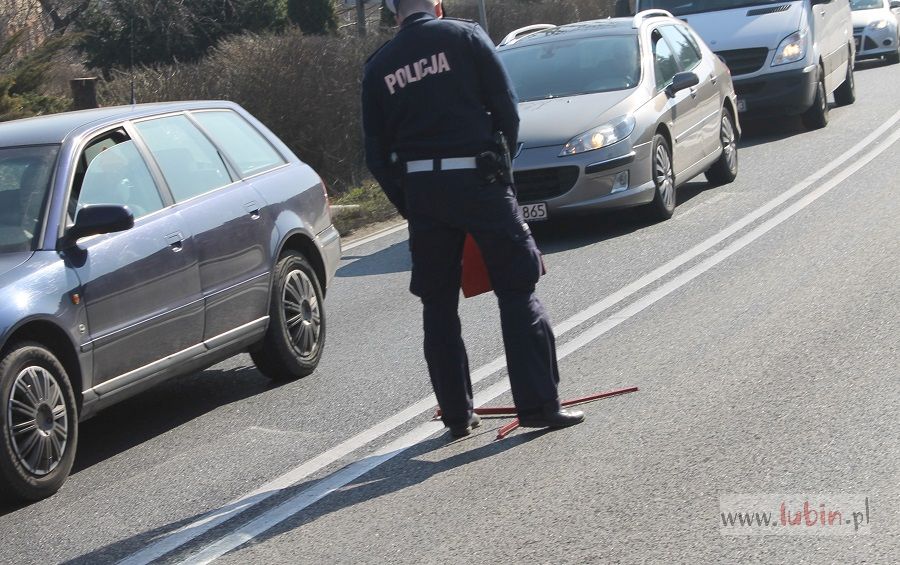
[366,205]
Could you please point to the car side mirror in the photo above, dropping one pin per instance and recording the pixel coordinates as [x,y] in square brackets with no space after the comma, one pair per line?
[682,81]
[99,219]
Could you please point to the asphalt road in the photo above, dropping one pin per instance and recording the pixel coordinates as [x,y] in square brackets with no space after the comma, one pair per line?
[761,324]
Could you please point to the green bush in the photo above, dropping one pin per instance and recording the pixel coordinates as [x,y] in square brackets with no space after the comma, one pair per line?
[22,80]
[305,88]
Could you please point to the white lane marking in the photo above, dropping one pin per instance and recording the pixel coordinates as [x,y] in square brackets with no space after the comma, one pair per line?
[307,497]
[214,518]
[374,237]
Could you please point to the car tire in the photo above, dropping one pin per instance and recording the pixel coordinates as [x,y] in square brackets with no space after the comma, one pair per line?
[816,117]
[725,169]
[663,205]
[295,337]
[846,92]
[39,424]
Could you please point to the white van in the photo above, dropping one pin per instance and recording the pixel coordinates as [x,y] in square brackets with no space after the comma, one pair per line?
[785,57]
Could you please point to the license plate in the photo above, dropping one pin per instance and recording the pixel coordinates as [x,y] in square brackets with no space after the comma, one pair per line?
[742,105]
[534,212]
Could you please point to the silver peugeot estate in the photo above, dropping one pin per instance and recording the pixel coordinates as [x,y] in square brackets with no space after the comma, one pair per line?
[617,113]
[142,243]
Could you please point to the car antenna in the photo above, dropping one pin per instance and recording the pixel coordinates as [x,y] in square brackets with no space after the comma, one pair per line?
[131,53]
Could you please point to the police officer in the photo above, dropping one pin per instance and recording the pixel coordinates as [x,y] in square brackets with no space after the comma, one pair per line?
[433,97]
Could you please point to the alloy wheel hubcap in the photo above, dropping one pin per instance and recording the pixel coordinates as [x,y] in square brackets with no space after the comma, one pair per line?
[38,420]
[302,315]
[664,179]
[729,145]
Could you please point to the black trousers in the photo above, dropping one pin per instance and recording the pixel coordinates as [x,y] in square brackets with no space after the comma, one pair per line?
[442,207]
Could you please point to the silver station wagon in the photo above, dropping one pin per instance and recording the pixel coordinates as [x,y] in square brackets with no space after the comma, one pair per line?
[617,113]
[142,243]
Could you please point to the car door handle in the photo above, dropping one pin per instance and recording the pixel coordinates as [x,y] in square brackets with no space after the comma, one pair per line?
[693,92]
[714,79]
[175,241]
[253,209]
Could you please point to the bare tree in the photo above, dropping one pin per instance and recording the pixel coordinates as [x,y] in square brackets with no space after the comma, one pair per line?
[63,13]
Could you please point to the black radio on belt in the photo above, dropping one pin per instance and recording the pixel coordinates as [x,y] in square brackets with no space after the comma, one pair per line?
[496,166]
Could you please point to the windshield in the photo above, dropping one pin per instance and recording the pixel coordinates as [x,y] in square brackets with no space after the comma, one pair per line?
[575,66]
[866,4]
[24,184]
[685,7]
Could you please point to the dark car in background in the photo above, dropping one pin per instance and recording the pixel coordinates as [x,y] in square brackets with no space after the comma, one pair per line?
[139,244]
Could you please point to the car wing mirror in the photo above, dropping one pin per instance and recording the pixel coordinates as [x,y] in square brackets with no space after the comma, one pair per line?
[682,81]
[99,219]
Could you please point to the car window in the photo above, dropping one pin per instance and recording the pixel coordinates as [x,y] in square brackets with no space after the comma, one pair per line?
[25,174]
[118,175]
[574,66]
[692,39]
[685,53]
[98,147]
[664,62]
[190,163]
[248,150]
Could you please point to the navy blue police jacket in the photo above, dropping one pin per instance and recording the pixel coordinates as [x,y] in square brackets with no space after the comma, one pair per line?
[436,90]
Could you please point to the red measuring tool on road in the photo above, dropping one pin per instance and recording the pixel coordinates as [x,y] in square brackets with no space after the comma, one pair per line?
[511,411]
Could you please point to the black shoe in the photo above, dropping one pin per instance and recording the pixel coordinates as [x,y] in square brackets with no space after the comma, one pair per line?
[559,419]
[462,430]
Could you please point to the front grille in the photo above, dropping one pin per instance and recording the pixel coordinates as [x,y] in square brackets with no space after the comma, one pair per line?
[744,61]
[541,184]
[858,30]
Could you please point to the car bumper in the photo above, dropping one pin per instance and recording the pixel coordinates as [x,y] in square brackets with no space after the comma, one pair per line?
[783,93]
[872,44]
[584,183]
[329,243]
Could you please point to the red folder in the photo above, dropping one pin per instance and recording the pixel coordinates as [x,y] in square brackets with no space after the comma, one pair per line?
[475,279]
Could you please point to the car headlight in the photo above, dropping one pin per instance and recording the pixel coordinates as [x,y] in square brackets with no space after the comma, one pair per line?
[791,49]
[880,24]
[602,136]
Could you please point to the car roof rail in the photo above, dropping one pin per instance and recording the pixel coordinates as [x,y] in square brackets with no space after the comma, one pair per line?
[647,14]
[518,34]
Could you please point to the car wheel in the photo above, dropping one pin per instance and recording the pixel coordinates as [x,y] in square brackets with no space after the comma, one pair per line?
[725,169]
[295,337]
[39,424]
[663,205]
[817,115]
[846,92]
